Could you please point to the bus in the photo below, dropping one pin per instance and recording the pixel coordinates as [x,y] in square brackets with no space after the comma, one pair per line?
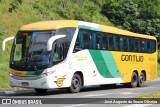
[71,54]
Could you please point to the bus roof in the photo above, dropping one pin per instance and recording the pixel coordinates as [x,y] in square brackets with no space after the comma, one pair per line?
[50,25]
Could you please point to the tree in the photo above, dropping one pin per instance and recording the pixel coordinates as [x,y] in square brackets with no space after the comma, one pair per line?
[14,5]
[134,15]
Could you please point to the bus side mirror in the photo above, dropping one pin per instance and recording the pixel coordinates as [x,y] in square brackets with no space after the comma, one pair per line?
[52,39]
[4,42]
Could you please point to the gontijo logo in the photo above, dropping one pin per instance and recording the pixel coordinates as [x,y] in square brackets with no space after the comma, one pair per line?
[132,58]
[59,81]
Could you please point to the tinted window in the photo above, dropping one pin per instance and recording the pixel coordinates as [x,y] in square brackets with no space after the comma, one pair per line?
[79,42]
[110,42]
[58,52]
[131,41]
[104,44]
[99,40]
[103,41]
[69,32]
[136,45]
[125,44]
[85,39]
[148,46]
[153,46]
[116,42]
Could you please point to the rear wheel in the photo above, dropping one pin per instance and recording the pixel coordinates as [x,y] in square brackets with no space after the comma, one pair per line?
[141,80]
[76,84]
[134,80]
[40,91]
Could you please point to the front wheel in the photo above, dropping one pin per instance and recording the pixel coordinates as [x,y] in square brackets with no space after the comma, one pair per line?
[141,80]
[40,91]
[76,84]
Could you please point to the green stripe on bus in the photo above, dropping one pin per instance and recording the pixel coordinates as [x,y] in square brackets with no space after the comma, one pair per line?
[100,63]
[105,64]
[89,28]
[111,64]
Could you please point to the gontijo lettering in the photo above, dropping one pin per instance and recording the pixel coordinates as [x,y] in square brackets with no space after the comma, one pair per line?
[132,58]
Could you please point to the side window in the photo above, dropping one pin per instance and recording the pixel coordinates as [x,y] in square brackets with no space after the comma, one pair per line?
[121,43]
[104,44]
[79,42]
[83,41]
[110,42]
[132,46]
[116,42]
[139,45]
[148,46]
[58,52]
[86,39]
[136,45]
[128,44]
[94,40]
[153,46]
[99,40]
[145,45]
[90,36]
[142,45]
[125,44]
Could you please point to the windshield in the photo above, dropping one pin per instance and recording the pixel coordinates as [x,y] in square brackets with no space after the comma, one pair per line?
[29,51]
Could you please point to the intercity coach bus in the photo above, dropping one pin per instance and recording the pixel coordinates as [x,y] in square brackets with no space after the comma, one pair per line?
[71,54]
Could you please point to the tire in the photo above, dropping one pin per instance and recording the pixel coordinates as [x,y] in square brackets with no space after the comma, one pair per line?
[134,80]
[141,80]
[76,84]
[40,91]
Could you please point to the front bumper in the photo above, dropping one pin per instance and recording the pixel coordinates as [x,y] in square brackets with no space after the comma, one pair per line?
[33,82]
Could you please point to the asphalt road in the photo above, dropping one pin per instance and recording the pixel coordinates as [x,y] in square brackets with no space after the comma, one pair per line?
[89,92]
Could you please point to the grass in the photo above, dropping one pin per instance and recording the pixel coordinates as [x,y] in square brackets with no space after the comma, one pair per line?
[154,94]
[4,64]
[158,72]
[151,95]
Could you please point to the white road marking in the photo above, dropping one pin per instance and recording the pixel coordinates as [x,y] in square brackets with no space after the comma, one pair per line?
[138,105]
[10,92]
[126,93]
[76,105]
[141,88]
[93,95]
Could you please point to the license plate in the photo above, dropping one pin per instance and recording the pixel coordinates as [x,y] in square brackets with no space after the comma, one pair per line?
[25,84]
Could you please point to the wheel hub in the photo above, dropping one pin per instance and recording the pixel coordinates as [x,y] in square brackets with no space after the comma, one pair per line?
[75,83]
